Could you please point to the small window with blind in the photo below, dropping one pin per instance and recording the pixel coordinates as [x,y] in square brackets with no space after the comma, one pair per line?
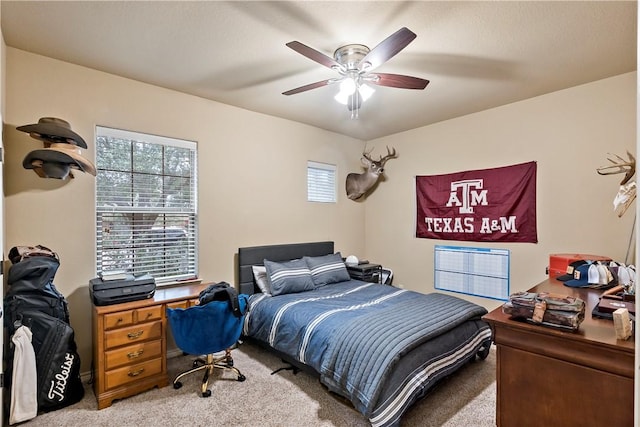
[321,182]
[146,205]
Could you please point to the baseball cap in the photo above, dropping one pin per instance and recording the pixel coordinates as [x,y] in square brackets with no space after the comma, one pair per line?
[584,275]
[570,269]
[624,278]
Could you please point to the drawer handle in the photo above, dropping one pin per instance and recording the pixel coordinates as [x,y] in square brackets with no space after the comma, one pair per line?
[135,354]
[134,335]
[149,315]
[136,373]
[120,319]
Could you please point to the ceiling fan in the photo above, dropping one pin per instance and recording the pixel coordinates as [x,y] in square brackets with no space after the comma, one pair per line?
[355,63]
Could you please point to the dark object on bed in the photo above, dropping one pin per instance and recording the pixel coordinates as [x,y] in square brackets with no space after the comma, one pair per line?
[205,330]
[381,347]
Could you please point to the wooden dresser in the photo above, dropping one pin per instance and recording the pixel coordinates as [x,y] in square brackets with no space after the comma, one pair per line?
[130,343]
[551,377]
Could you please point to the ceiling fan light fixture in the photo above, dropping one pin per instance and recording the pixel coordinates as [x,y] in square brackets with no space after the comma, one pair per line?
[365,92]
[354,64]
[348,87]
[342,98]
[351,55]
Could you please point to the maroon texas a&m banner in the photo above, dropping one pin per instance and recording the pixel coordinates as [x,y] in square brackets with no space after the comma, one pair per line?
[488,205]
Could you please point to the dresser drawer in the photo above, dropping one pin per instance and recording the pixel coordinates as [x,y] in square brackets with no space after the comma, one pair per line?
[128,374]
[184,303]
[131,334]
[179,304]
[132,354]
[148,313]
[118,320]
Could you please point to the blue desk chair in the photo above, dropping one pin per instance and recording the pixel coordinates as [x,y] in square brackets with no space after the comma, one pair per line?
[204,330]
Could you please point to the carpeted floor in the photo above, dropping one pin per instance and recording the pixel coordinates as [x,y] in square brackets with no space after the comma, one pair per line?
[467,398]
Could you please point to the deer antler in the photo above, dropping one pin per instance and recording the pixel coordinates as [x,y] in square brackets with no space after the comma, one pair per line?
[619,166]
[390,155]
[367,154]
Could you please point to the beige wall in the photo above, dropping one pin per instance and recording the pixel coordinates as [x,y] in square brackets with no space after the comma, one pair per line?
[252,173]
[568,133]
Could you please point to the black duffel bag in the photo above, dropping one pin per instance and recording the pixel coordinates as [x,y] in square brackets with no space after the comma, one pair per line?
[57,361]
[31,288]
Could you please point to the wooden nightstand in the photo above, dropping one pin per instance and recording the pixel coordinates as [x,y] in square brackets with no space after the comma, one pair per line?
[366,272]
[130,343]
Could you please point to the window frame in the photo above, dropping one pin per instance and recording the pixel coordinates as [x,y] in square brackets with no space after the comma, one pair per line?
[317,189]
[161,249]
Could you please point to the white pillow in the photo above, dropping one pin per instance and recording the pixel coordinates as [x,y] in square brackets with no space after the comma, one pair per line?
[260,275]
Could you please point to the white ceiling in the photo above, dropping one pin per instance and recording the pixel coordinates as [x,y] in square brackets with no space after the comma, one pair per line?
[477,55]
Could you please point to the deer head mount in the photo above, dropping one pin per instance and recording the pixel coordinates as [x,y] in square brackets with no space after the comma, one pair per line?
[358,184]
[627,192]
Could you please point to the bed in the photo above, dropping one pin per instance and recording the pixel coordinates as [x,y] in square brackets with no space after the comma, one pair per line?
[379,346]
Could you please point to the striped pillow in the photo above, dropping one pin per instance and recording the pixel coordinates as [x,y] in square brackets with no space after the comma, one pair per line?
[260,276]
[327,269]
[288,277]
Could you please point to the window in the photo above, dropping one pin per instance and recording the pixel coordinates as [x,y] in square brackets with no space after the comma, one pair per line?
[146,205]
[321,182]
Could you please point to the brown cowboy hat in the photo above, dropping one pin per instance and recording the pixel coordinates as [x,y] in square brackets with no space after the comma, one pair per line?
[53,130]
[52,162]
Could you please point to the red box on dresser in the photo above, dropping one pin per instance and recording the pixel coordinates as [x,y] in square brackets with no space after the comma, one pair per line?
[558,263]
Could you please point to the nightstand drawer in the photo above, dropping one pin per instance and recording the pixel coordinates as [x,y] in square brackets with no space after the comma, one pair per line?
[128,374]
[132,354]
[118,320]
[136,333]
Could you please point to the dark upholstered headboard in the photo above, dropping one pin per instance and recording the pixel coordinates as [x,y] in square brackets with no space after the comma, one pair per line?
[255,255]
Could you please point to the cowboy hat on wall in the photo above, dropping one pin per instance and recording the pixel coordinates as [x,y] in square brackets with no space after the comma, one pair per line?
[62,149]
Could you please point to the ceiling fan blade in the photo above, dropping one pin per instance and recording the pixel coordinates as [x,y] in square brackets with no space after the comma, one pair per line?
[387,49]
[313,54]
[399,81]
[309,87]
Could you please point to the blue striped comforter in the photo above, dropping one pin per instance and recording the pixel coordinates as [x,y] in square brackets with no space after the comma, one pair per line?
[354,333]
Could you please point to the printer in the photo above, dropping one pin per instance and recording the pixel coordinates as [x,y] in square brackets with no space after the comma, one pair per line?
[107,292]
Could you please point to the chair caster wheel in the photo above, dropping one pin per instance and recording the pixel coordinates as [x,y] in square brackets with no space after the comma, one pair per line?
[177,385]
[230,363]
[206,393]
[241,378]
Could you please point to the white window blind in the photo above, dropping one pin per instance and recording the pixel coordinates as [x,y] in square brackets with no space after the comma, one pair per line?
[146,205]
[321,182]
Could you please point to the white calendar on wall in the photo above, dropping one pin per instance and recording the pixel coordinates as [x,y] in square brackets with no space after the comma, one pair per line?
[482,272]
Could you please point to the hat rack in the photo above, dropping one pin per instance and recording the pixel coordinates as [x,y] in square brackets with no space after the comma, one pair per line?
[62,151]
